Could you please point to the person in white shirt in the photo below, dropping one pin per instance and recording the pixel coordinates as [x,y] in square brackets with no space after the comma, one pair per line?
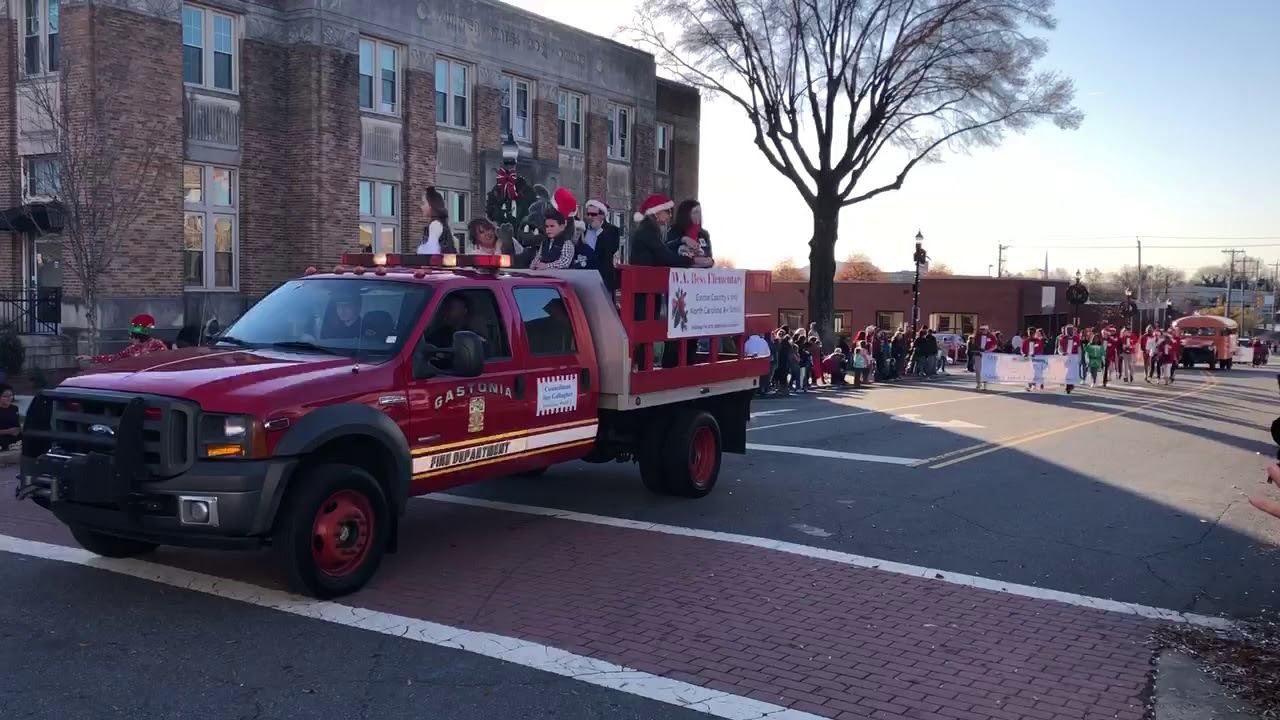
[436,238]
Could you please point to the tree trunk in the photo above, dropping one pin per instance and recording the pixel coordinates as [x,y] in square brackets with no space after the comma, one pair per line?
[822,266]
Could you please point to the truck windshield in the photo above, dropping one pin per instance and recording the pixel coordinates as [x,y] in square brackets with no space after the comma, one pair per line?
[364,319]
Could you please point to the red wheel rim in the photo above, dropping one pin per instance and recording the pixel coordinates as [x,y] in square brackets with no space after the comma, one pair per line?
[702,456]
[342,533]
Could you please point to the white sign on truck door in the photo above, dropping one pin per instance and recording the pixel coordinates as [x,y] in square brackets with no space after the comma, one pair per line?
[706,302]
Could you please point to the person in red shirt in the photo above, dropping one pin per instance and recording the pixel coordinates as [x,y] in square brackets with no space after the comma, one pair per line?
[140,342]
[1112,342]
[1033,344]
[1173,351]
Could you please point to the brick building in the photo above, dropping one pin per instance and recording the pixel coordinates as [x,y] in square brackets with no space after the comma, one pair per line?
[285,132]
[947,304]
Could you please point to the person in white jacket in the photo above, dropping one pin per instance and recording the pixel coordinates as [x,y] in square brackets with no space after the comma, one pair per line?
[436,237]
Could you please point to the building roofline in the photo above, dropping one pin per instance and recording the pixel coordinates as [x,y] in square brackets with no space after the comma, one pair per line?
[562,26]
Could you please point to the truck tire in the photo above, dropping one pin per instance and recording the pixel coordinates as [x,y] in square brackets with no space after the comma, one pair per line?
[650,457]
[109,545]
[536,472]
[332,531]
[1226,364]
[1213,364]
[691,455]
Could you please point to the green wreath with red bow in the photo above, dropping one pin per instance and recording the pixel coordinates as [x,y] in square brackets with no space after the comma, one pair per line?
[509,199]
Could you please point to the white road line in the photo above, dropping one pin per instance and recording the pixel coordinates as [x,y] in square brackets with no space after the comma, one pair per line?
[834,454]
[884,411]
[509,649]
[862,561]
[767,413]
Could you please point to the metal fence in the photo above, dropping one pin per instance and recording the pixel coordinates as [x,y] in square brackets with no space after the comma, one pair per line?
[30,311]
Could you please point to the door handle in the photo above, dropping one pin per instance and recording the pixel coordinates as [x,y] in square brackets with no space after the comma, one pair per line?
[585,378]
[518,387]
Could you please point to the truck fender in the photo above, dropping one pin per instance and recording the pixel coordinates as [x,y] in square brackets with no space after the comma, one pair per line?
[324,424]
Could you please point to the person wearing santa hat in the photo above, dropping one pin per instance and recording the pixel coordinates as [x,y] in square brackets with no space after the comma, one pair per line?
[584,257]
[647,244]
[141,342]
[604,238]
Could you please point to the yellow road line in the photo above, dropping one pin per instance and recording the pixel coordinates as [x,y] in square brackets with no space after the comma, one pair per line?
[869,411]
[1018,440]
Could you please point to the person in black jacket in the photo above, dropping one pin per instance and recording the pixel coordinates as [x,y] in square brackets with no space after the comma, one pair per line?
[686,235]
[647,244]
[604,238]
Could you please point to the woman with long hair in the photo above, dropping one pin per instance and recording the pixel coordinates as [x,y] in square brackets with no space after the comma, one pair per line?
[686,234]
[436,238]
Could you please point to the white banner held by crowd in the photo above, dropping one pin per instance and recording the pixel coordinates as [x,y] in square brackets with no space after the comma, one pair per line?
[706,302]
[1044,370]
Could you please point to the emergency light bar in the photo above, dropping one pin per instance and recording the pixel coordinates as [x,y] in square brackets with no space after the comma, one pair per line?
[427,261]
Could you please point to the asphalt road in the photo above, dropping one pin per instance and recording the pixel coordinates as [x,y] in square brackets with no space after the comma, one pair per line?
[1134,493]
[118,647]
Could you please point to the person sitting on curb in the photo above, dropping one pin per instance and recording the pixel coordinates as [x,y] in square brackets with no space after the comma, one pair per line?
[140,342]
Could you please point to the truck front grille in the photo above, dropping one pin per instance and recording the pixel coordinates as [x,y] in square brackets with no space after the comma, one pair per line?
[85,421]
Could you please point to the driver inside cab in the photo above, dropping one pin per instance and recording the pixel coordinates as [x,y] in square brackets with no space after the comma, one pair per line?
[343,320]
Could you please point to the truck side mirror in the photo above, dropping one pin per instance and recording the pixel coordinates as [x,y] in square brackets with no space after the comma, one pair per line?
[468,354]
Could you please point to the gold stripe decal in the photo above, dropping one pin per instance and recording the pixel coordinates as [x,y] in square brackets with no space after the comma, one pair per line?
[493,438]
[489,451]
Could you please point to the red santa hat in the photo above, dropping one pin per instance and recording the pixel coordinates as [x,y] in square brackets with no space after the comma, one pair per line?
[142,324]
[598,205]
[565,202]
[653,205]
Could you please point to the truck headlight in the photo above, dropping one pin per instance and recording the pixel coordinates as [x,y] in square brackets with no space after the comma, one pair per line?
[228,436]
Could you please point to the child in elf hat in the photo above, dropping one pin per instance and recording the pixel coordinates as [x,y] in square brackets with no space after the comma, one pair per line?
[140,342]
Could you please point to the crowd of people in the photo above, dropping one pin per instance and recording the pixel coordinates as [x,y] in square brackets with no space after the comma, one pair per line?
[1107,351]
[556,234]
[799,363]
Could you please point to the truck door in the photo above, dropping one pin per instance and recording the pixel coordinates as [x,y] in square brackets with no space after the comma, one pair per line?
[461,427]
[559,373]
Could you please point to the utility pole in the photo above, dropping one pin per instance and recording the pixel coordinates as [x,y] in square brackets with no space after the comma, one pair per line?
[1231,279]
[1275,276]
[1000,261]
[1139,241]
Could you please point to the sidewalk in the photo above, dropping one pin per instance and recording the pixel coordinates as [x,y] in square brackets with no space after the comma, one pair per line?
[813,635]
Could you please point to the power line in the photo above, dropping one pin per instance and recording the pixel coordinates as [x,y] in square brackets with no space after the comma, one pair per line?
[1151,247]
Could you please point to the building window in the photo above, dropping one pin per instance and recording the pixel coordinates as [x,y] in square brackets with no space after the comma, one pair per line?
[379,76]
[662,143]
[889,320]
[843,322]
[456,202]
[41,177]
[791,318]
[619,132]
[452,94]
[516,103]
[962,323]
[210,227]
[618,219]
[570,116]
[379,217]
[41,50]
[208,48]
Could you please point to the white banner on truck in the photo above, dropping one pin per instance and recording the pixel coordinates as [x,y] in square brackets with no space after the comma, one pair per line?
[706,302]
[1039,370]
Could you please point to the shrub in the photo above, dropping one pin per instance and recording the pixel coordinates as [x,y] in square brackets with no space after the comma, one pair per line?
[12,353]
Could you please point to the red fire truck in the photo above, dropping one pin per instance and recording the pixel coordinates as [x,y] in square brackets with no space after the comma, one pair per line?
[340,395]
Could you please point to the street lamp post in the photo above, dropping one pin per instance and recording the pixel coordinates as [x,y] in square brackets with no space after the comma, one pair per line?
[920,257]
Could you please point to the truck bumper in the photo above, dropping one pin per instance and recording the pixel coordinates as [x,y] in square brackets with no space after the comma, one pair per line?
[215,504]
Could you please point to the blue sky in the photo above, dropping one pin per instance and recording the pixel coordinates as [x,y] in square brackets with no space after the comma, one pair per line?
[1182,103]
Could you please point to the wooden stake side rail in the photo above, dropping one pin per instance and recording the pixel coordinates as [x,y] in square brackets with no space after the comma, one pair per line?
[644,316]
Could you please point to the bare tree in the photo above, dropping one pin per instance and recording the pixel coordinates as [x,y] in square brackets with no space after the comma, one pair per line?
[102,176]
[858,267]
[939,269]
[829,84]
